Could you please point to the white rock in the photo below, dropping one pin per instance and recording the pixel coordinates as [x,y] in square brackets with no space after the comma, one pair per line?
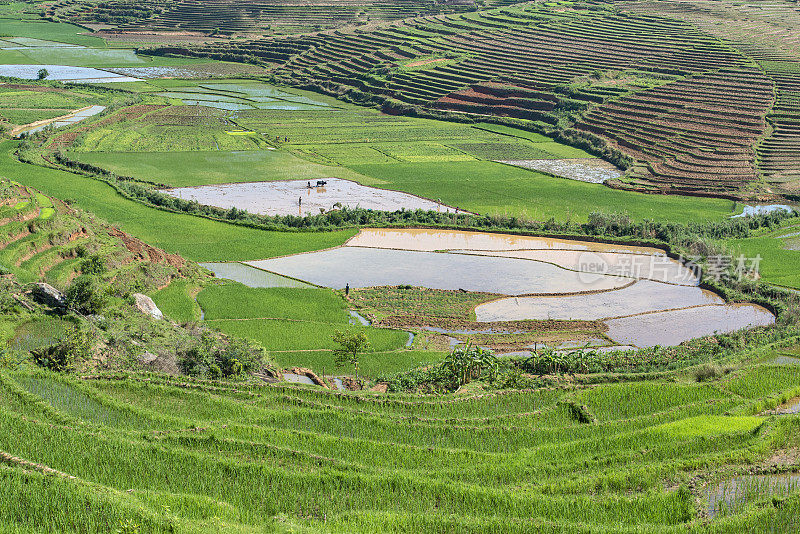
[146,305]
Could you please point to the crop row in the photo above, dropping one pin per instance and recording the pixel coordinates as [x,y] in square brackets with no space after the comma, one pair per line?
[692,134]
[177,449]
[779,153]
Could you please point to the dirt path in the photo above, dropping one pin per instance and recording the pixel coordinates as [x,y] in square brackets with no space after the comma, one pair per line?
[25,127]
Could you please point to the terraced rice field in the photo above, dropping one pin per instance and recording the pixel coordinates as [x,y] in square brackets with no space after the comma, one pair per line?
[656,89]
[597,410]
[290,458]
[43,240]
[629,288]
[251,17]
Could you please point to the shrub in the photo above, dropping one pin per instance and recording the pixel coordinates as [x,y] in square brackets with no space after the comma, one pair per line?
[87,293]
[710,371]
[216,358]
[73,347]
[94,264]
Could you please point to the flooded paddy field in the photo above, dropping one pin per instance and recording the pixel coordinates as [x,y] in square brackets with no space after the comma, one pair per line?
[730,496]
[59,122]
[243,96]
[595,171]
[295,197]
[250,276]
[761,209]
[368,267]
[642,296]
[672,327]
[64,73]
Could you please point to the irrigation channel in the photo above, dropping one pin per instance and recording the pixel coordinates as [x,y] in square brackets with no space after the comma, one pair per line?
[643,296]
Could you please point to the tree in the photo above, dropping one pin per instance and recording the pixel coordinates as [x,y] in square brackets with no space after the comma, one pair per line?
[351,345]
[42,74]
[467,363]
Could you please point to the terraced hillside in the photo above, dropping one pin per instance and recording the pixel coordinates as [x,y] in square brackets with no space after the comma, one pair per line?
[170,454]
[568,71]
[779,153]
[695,135]
[767,32]
[251,17]
[46,239]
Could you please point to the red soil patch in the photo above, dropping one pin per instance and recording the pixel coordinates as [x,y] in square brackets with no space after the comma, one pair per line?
[143,251]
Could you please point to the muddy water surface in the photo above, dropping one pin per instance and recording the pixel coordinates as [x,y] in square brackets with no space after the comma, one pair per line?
[643,296]
[676,326]
[294,197]
[430,240]
[641,266]
[369,267]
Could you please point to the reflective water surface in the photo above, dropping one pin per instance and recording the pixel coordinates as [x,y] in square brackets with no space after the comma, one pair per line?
[369,267]
[295,197]
[676,326]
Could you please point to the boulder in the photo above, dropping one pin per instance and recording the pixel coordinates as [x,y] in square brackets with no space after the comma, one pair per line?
[146,305]
[47,294]
[147,358]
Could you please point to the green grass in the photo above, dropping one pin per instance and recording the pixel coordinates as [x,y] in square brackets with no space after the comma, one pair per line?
[139,136]
[27,116]
[176,301]
[77,57]
[305,335]
[433,159]
[493,188]
[371,364]
[50,31]
[236,301]
[195,238]
[778,264]
[182,169]
[513,132]
[708,426]
[19,106]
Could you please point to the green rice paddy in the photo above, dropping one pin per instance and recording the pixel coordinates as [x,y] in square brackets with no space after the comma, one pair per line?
[202,167]
[173,454]
[132,452]
[193,237]
[287,319]
[779,250]
[433,159]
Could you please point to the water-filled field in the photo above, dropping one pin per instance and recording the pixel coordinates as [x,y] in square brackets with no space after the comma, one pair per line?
[594,171]
[645,297]
[64,73]
[302,197]
[250,276]
[66,120]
